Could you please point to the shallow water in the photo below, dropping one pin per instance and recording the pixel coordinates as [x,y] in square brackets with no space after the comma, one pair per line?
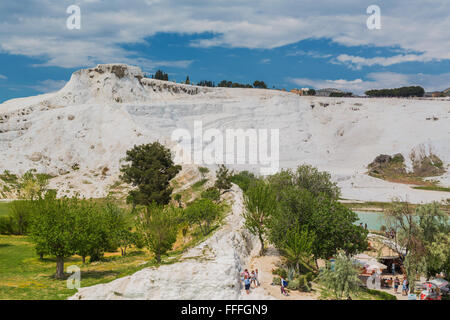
[374,220]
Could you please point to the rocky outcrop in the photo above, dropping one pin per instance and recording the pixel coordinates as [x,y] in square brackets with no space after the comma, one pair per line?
[211,270]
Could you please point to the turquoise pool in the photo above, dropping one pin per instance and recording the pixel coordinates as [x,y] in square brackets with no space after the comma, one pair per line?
[374,220]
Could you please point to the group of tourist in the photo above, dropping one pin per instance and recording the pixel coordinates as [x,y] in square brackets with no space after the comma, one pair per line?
[405,285]
[250,278]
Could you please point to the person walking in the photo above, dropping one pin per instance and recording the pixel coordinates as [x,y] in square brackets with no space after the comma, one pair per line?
[404,287]
[247,283]
[253,278]
[396,285]
[393,268]
[407,286]
[283,286]
[257,278]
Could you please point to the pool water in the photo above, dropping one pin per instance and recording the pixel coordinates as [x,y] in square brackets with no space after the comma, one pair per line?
[374,220]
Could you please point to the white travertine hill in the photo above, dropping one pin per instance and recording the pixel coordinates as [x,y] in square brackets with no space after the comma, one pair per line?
[81,132]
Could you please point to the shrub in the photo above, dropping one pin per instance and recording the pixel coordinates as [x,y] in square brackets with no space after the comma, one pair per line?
[203,212]
[280,272]
[276,281]
[303,283]
[211,193]
[8,226]
[381,294]
[293,284]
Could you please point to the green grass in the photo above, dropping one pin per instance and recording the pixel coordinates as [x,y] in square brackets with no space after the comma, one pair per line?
[199,184]
[5,208]
[24,276]
[433,188]
[362,294]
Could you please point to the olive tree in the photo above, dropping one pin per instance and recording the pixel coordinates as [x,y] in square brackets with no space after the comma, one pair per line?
[52,229]
[158,226]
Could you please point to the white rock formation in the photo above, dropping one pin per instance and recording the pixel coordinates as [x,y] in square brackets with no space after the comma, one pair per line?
[104,111]
[210,270]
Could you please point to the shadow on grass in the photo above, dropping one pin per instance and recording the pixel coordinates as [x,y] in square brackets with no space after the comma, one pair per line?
[94,274]
[3,245]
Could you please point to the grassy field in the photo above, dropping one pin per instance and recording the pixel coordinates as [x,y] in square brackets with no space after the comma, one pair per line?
[433,188]
[4,208]
[24,276]
[362,294]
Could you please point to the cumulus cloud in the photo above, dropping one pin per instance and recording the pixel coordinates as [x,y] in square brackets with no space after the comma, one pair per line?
[48,85]
[310,53]
[37,28]
[379,80]
[357,62]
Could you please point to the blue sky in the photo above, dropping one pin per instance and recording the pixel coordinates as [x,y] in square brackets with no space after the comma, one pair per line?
[286,43]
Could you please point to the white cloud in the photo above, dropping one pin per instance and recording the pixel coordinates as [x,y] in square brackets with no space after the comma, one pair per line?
[357,62]
[264,61]
[48,85]
[37,28]
[310,53]
[380,80]
[3,77]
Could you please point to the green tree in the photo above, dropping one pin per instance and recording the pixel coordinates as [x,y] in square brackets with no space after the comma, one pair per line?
[187,80]
[203,171]
[150,168]
[203,212]
[342,279]
[244,179]
[435,234]
[52,229]
[114,225]
[160,75]
[21,215]
[259,84]
[297,248]
[211,193]
[260,203]
[309,178]
[177,198]
[307,199]
[158,226]
[223,182]
[33,186]
[87,228]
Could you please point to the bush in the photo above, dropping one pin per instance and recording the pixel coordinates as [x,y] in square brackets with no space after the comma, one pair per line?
[293,284]
[244,179]
[211,193]
[204,213]
[8,226]
[303,283]
[276,281]
[280,272]
[397,92]
[310,276]
[382,295]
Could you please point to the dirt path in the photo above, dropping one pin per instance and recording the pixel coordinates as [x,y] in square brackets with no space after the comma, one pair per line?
[265,265]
